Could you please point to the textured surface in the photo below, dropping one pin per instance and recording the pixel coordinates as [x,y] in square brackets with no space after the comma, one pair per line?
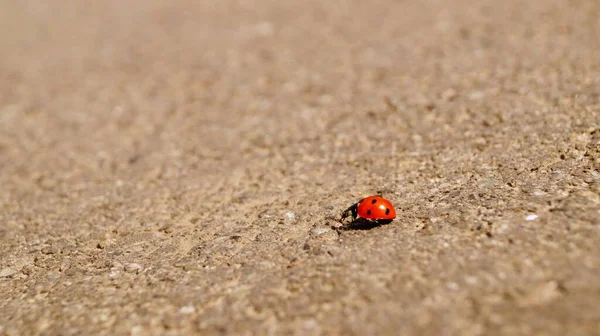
[174,168]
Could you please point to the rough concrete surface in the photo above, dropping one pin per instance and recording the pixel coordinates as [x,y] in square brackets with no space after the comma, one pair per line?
[176,167]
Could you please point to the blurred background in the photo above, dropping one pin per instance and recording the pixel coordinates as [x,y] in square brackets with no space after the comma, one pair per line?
[173,167]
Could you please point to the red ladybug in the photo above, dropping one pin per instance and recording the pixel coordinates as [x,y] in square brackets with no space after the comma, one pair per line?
[373,208]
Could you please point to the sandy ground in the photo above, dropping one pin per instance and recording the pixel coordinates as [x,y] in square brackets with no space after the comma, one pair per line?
[169,168]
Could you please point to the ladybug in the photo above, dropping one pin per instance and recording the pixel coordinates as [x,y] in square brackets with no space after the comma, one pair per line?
[373,209]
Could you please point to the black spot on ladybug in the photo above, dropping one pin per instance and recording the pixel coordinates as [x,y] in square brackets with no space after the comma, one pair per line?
[387,211]
[374,201]
[368,212]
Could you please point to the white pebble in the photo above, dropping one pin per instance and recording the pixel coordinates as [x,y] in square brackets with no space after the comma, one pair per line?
[531,217]
[187,310]
[7,272]
[320,230]
[290,217]
[133,268]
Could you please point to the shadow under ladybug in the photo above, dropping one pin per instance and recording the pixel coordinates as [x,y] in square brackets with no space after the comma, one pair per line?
[362,224]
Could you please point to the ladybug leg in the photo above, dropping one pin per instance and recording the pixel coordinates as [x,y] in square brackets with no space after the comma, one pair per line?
[351,211]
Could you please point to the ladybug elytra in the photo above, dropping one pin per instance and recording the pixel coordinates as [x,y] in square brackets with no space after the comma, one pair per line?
[373,208]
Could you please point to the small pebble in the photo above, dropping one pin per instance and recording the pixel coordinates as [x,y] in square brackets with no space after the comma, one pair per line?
[485,183]
[133,268]
[531,217]
[320,230]
[290,217]
[187,310]
[7,272]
